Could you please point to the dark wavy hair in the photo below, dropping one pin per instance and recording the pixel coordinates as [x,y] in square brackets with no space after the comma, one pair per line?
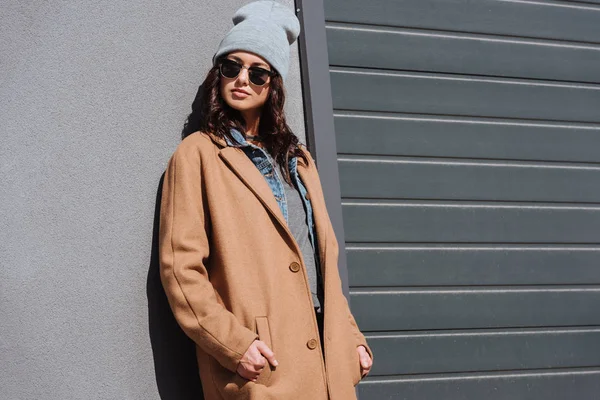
[210,113]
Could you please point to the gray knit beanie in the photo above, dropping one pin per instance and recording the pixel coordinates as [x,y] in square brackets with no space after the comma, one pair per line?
[265,28]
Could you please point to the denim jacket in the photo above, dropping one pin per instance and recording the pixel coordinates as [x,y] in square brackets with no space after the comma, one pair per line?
[264,162]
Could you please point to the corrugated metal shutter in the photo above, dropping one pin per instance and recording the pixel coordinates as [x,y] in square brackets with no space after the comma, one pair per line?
[468,138]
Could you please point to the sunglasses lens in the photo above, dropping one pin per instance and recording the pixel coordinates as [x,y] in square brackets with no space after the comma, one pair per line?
[230,69]
[258,77]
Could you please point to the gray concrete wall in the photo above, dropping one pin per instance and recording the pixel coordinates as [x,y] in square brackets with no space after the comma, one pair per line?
[94,96]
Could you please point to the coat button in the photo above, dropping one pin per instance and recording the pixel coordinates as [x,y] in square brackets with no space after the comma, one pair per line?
[294,267]
[312,344]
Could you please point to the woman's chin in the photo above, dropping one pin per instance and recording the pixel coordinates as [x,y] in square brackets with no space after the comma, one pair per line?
[241,105]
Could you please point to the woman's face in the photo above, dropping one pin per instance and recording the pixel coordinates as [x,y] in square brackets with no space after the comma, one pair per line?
[241,94]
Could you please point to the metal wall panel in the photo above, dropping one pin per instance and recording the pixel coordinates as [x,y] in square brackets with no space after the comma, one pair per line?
[531,385]
[451,94]
[575,21]
[368,177]
[465,137]
[498,350]
[462,53]
[468,142]
[482,222]
[391,309]
[450,264]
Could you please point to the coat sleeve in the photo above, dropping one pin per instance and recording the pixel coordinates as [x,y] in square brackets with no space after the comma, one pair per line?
[355,331]
[360,338]
[183,251]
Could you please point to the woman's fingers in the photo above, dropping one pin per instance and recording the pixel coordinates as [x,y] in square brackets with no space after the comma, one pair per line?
[267,352]
[365,359]
[247,370]
[252,362]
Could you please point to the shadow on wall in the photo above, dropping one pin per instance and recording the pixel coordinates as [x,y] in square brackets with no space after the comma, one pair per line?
[174,352]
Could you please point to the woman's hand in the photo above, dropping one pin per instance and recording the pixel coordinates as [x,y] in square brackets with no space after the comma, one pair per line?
[255,359]
[365,360]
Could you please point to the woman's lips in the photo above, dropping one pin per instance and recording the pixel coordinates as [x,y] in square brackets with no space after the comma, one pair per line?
[239,93]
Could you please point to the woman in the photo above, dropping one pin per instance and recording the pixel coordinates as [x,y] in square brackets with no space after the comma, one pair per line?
[248,255]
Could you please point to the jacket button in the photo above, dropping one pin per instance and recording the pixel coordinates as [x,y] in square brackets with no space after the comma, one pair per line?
[294,267]
[312,344]
[307,197]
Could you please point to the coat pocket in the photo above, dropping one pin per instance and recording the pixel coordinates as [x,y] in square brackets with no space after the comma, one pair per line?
[264,334]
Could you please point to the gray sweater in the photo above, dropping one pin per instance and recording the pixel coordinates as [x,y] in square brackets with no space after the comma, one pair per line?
[298,225]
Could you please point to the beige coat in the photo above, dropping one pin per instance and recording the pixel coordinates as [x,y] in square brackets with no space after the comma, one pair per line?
[229,266]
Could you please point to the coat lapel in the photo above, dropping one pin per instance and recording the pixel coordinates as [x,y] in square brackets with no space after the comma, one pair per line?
[311,181]
[243,167]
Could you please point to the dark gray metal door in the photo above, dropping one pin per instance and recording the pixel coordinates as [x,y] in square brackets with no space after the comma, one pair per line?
[468,140]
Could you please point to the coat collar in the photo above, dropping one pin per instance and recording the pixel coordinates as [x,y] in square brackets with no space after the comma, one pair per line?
[247,172]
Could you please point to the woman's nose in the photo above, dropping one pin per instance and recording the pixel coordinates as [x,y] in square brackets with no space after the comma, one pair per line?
[243,76]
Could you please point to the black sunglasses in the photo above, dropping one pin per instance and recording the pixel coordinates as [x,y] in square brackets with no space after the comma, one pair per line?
[231,69]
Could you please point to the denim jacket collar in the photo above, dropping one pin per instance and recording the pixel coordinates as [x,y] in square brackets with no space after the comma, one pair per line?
[241,142]
[239,138]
